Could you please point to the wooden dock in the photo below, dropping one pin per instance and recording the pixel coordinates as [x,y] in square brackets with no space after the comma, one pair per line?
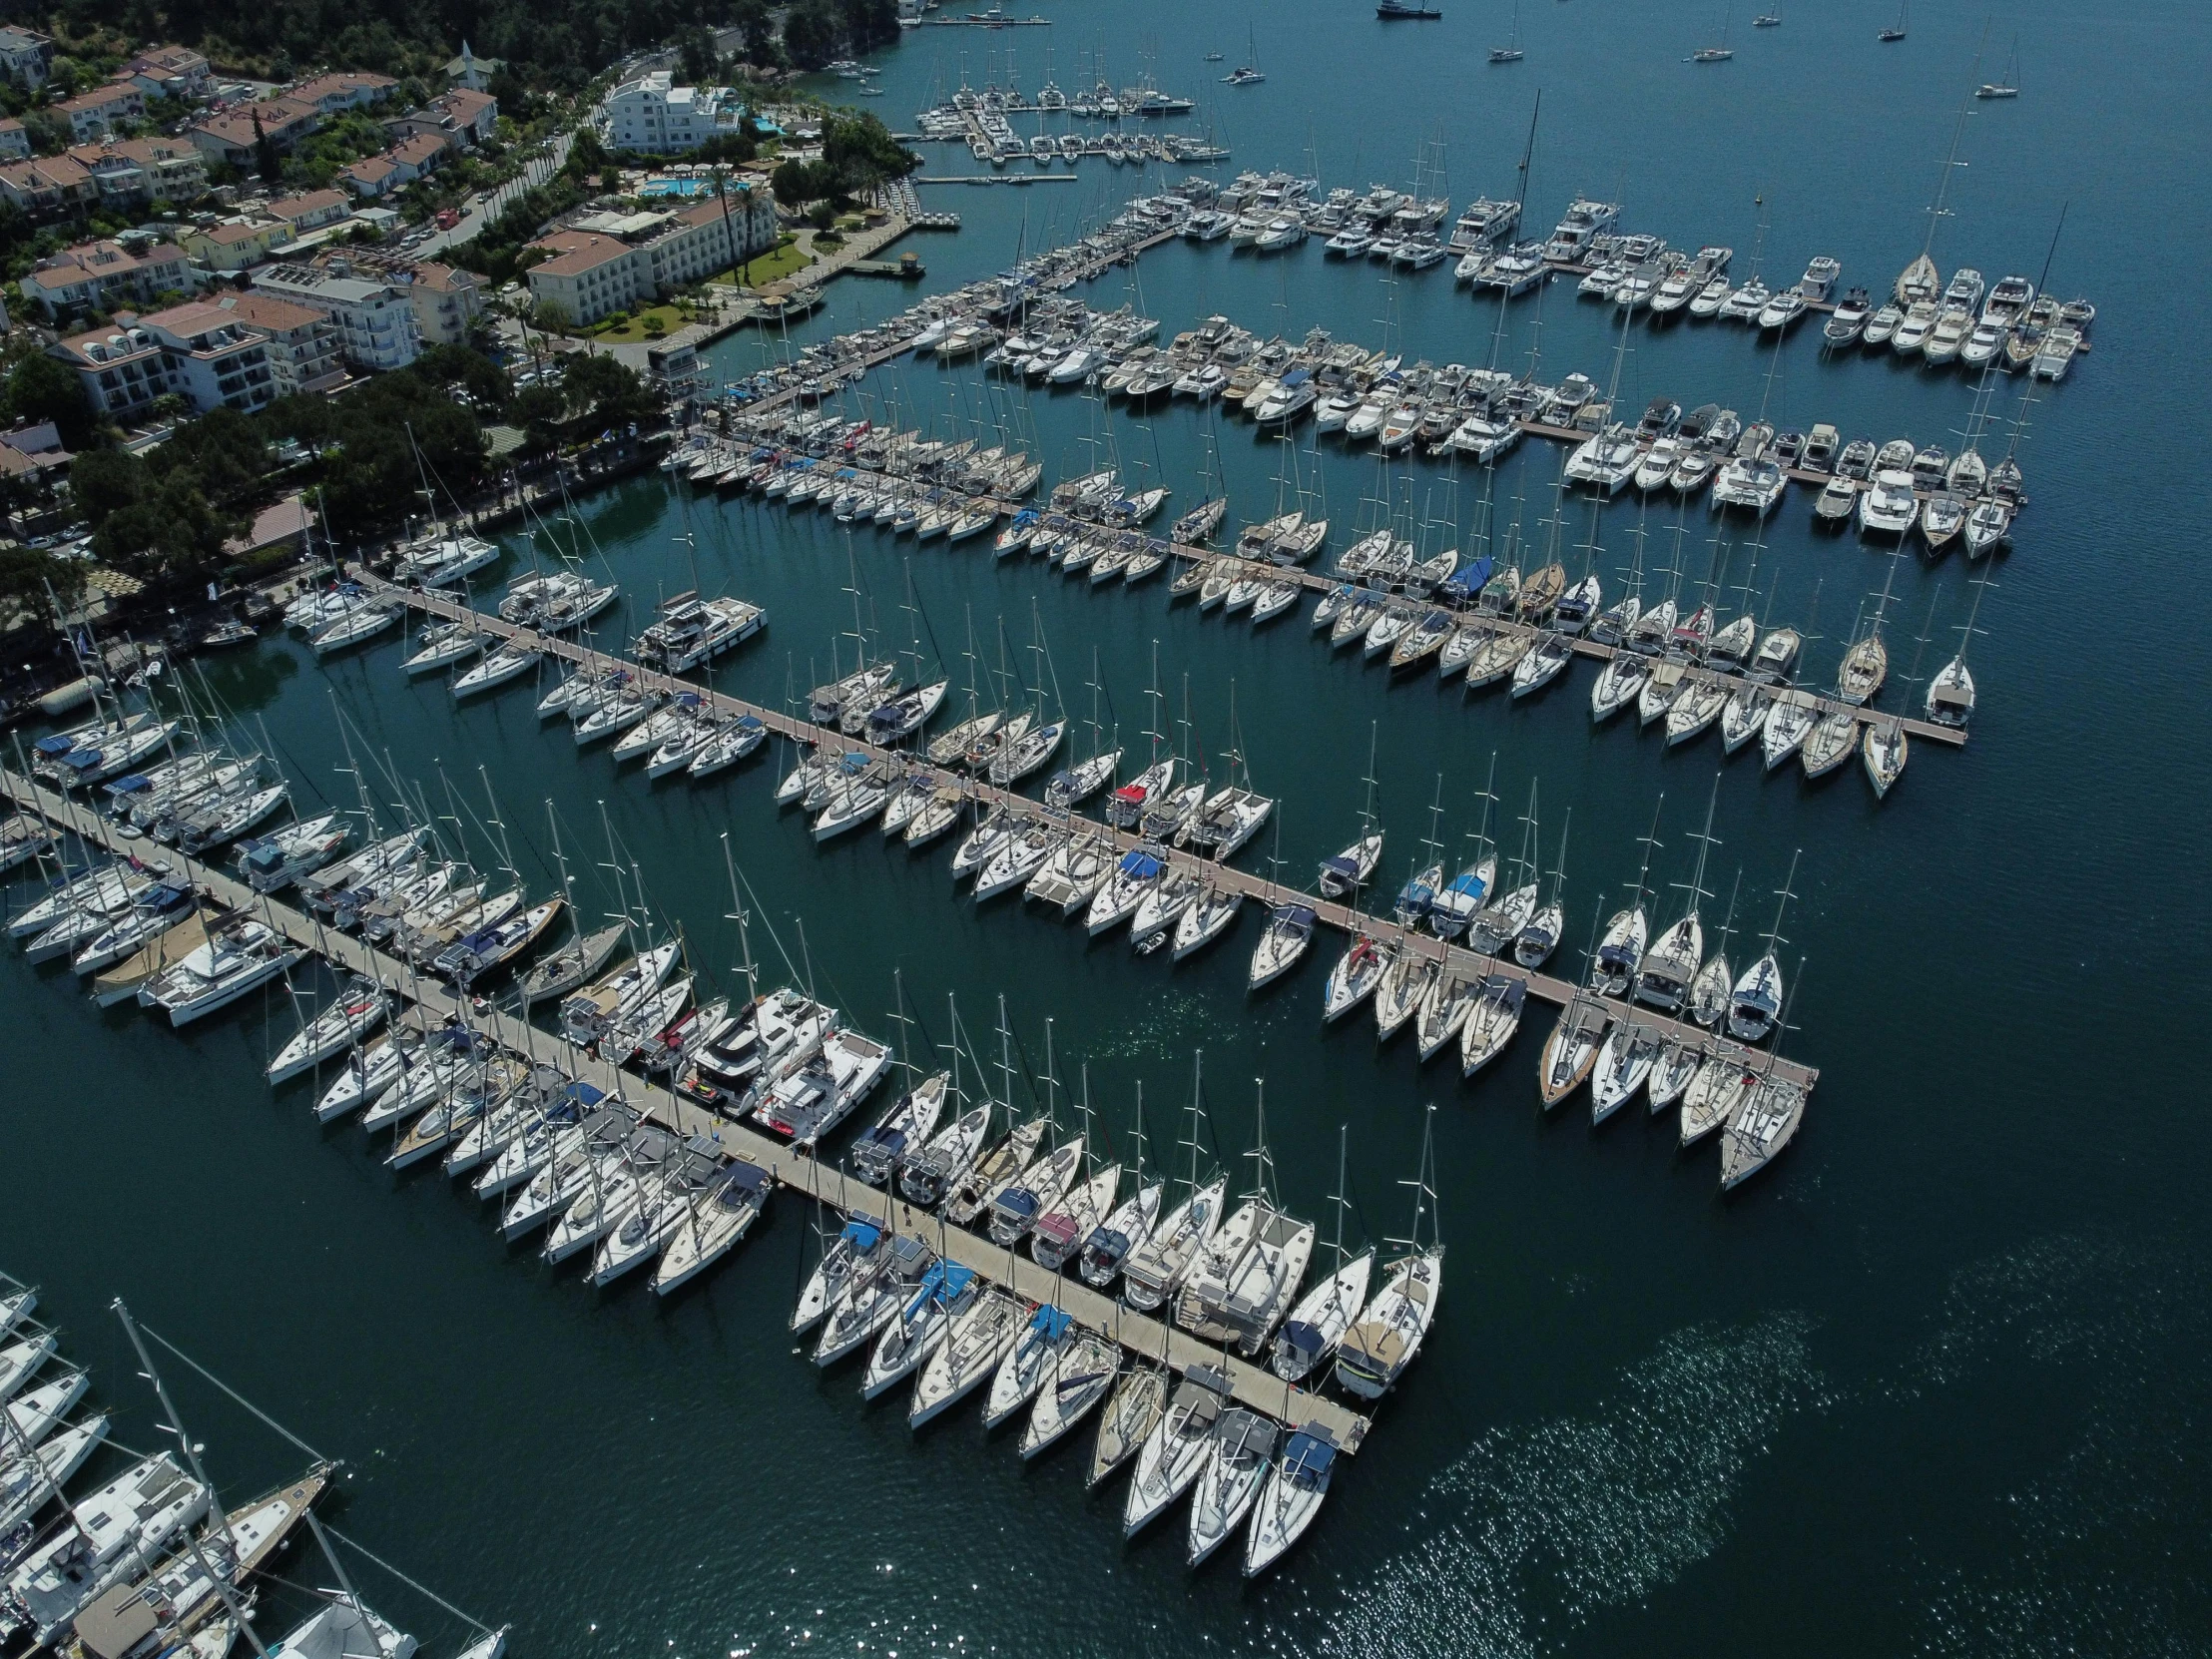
[1456,959]
[434,1003]
[1312,581]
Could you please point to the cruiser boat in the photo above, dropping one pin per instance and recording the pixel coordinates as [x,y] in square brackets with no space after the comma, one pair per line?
[1890,506]
[236,959]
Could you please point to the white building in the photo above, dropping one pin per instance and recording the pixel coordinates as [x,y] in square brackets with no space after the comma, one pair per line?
[374,320]
[613,262]
[199,351]
[653,116]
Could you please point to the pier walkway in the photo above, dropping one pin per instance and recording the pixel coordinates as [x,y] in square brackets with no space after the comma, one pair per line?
[1313,581]
[1457,960]
[435,1005]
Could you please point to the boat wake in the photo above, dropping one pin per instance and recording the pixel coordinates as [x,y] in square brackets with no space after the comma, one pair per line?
[1554,1522]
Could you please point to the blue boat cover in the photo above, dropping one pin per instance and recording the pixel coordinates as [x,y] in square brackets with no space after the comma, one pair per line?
[133,784]
[1050,1321]
[1297,916]
[1474,573]
[957,1279]
[51,747]
[585,1093]
[261,857]
[1308,1457]
[1139,863]
[84,759]
[1469,883]
[1341,865]
[750,1177]
[748,723]
[1017,1201]
[1303,1339]
[862,1236]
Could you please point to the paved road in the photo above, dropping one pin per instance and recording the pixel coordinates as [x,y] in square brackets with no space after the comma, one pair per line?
[481,208]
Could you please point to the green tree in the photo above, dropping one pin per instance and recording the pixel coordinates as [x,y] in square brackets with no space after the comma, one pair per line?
[106,481]
[175,533]
[41,389]
[812,32]
[602,391]
[266,159]
[25,575]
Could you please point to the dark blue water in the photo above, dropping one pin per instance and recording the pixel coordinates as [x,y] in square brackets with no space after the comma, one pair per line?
[1933,1384]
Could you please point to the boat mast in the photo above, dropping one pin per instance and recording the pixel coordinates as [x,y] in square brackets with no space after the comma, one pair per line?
[1705,846]
[220,1579]
[1424,1190]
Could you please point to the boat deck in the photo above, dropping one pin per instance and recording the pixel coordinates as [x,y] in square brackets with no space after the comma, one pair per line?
[433,1005]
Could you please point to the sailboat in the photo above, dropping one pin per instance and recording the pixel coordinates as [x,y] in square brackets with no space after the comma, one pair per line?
[1246,73]
[1670,967]
[1951,695]
[1387,1337]
[2006,85]
[1510,53]
[1716,54]
[1323,1315]
[1754,1004]
[1895,31]
[1350,870]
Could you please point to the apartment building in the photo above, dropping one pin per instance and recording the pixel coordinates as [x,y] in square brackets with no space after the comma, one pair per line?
[99,111]
[26,57]
[303,342]
[197,351]
[374,320]
[106,275]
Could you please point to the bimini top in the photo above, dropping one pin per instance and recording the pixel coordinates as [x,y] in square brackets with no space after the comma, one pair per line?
[49,747]
[1139,863]
[1300,916]
[1050,1323]
[746,1178]
[862,1236]
[1309,1455]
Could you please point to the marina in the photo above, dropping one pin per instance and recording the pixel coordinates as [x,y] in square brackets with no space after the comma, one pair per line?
[1633,1375]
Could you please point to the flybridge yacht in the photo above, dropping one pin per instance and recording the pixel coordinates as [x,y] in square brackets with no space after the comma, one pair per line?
[690,631]
[1585,220]
[1483,223]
